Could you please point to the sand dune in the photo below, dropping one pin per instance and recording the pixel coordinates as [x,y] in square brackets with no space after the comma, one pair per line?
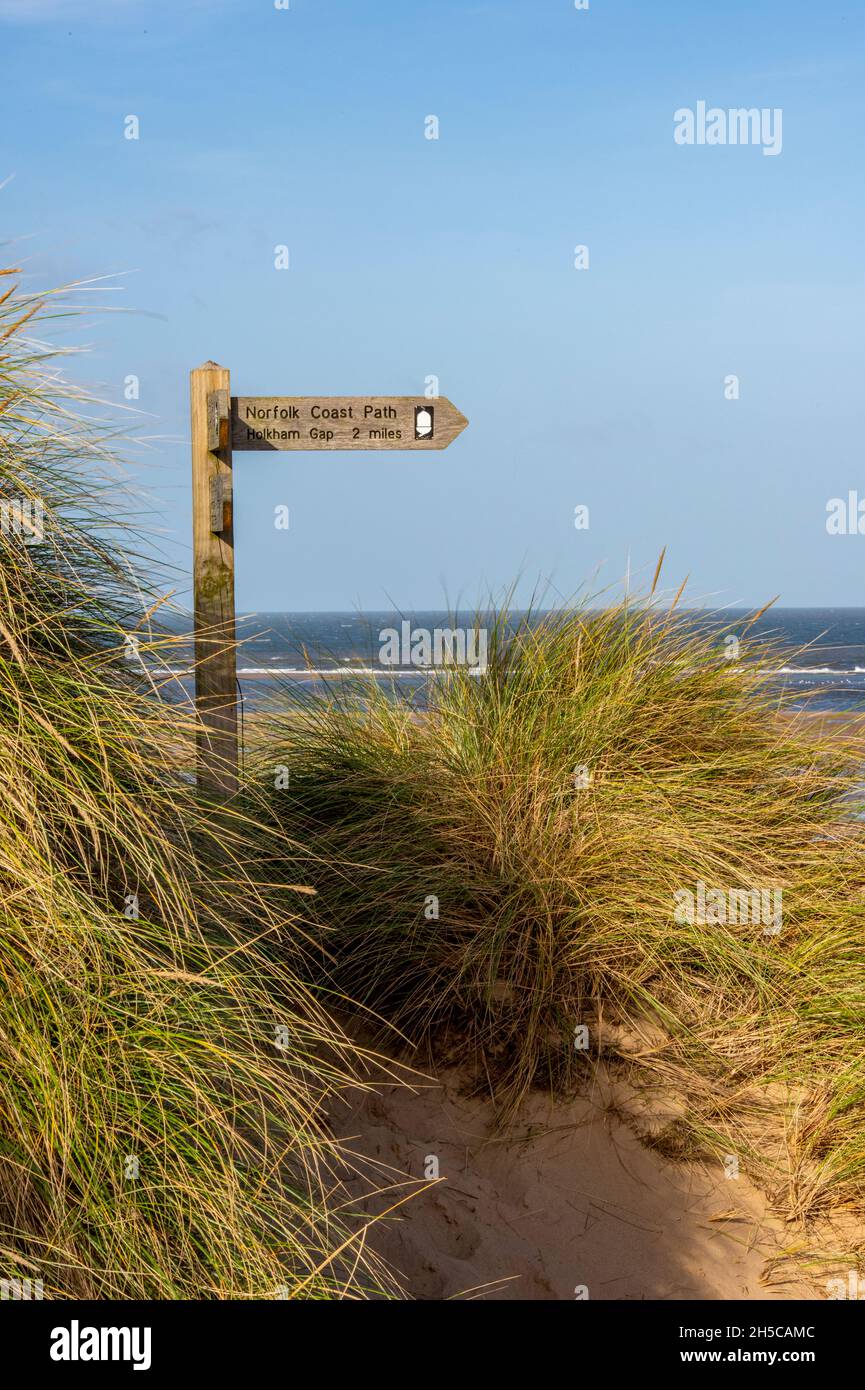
[570,1198]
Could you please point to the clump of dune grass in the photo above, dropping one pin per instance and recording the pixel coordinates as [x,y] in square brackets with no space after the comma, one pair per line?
[510,864]
[162,1073]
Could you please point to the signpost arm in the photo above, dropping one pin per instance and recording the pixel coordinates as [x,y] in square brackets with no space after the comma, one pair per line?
[213,579]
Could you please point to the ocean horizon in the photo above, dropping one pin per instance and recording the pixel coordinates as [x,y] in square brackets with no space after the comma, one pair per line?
[821,650]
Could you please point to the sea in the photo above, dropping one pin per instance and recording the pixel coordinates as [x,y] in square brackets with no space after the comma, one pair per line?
[820,662]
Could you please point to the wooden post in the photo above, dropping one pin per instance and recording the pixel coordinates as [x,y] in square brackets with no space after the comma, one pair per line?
[213,579]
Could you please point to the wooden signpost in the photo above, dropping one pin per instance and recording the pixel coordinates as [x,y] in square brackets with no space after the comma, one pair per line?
[222,423]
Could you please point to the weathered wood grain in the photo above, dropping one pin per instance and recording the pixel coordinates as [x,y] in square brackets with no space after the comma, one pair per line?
[213,580]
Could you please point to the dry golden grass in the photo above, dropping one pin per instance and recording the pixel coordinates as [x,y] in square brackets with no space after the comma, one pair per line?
[557,897]
[161,1071]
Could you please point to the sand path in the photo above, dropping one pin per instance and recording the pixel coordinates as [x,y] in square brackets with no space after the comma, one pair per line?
[571,1198]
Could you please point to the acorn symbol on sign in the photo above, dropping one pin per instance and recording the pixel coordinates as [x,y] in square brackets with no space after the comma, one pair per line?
[423,421]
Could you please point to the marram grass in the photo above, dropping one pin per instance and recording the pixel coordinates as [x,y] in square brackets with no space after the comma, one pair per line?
[162,1075]
[508,865]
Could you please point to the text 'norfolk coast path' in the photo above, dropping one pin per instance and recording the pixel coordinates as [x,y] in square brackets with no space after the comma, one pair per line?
[344,422]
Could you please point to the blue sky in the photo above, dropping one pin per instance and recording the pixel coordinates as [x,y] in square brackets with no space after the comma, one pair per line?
[454,257]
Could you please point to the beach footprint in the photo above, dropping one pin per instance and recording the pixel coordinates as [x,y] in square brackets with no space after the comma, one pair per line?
[453,1233]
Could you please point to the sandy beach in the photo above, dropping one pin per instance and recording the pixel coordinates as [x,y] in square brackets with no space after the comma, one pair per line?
[570,1204]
